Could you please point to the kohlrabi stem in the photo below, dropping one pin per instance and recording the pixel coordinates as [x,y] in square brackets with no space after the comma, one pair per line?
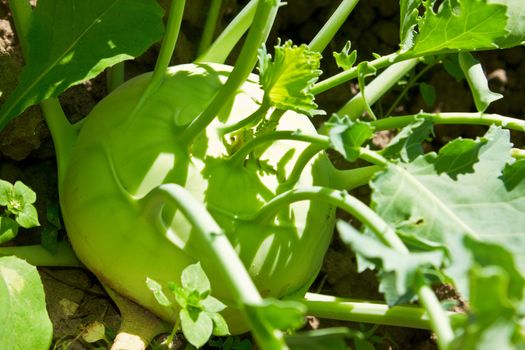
[262,23]
[330,28]
[352,310]
[377,88]
[239,156]
[517,153]
[214,12]
[372,157]
[220,251]
[451,118]
[341,199]
[37,255]
[251,119]
[439,320]
[115,76]
[230,36]
[64,134]
[306,156]
[351,73]
[168,44]
[351,178]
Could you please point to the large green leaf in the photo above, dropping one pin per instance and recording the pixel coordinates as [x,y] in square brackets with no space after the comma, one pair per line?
[460,25]
[23,315]
[71,41]
[432,204]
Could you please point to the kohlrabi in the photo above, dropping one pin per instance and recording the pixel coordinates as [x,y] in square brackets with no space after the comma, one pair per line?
[221,165]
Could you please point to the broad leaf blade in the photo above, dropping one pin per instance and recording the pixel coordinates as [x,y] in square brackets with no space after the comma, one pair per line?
[72,41]
[460,25]
[23,314]
[440,209]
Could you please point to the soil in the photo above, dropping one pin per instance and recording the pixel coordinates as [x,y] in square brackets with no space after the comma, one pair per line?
[74,297]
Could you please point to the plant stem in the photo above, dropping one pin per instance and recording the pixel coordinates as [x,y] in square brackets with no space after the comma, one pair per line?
[263,139]
[337,198]
[219,248]
[37,255]
[330,28]
[303,159]
[251,119]
[372,157]
[209,26]
[219,50]
[351,178]
[377,88]
[168,44]
[351,73]
[518,153]
[451,118]
[352,310]
[438,318]
[262,23]
[115,76]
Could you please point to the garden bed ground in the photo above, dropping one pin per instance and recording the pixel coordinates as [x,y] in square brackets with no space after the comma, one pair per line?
[74,297]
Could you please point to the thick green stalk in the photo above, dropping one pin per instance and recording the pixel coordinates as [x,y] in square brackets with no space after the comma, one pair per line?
[518,153]
[349,179]
[351,73]
[37,255]
[352,310]
[377,88]
[219,50]
[438,318]
[303,159]
[251,119]
[263,21]
[330,28]
[341,199]
[451,118]
[168,44]
[220,250]
[261,140]
[115,76]
[209,26]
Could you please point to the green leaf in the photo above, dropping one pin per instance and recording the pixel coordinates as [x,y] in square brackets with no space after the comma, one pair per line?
[194,278]
[479,86]
[27,194]
[347,136]
[27,217]
[197,326]
[72,41]
[435,210]
[8,229]
[460,25]
[345,59]
[428,92]
[514,174]
[6,192]
[407,143]
[49,239]
[409,15]
[23,314]
[159,295]
[287,79]
[212,304]
[515,23]
[398,270]
[220,327]
[458,157]
[493,323]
